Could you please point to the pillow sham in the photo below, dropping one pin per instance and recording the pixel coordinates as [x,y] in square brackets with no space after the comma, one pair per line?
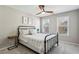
[25,32]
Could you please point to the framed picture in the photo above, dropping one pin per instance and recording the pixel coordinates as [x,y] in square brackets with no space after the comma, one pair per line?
[25,20]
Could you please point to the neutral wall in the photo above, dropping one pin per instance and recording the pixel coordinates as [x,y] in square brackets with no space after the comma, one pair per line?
[10,19]
[73,25]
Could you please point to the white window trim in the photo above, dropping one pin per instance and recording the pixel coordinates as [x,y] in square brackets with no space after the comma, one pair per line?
[67,26]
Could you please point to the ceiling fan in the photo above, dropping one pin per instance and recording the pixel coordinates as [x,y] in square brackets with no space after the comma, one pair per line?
[41,7]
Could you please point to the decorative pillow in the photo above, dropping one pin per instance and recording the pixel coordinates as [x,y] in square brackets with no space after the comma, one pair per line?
[33,31]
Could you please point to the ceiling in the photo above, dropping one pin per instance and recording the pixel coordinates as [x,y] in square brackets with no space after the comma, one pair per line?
[33,9]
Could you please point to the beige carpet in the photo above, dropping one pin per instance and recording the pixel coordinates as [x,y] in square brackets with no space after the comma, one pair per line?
[19,50]
[63,48]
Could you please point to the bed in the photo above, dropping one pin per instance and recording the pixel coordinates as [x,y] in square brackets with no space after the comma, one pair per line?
[39,42]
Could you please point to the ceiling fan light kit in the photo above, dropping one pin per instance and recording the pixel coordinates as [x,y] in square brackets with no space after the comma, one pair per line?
[41,7]
[43,13]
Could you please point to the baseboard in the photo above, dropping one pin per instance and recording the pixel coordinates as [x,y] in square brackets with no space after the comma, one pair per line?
[72,43]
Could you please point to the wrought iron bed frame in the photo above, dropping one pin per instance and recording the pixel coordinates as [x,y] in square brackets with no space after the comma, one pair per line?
[32,27]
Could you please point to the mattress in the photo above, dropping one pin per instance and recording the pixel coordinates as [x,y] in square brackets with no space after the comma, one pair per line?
[36,41]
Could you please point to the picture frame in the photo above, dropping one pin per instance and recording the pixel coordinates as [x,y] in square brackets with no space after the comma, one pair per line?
[27,20]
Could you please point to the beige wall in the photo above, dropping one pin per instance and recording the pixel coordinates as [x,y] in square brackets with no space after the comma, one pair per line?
[10,19]
[73,25]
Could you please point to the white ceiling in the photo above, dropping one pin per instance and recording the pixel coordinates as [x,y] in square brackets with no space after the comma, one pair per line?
[33,9]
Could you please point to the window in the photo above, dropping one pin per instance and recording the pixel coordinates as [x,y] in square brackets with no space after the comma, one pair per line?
[45,25]
[63,25]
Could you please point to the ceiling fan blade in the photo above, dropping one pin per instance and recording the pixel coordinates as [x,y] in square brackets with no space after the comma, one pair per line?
[49,11]
[38,13]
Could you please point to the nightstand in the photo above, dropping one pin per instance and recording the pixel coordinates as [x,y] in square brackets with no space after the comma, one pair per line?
[15,38]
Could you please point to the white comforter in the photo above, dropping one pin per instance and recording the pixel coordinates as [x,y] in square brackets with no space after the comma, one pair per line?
[36,41]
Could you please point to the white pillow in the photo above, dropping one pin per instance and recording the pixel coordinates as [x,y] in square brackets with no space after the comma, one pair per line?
[25,32]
